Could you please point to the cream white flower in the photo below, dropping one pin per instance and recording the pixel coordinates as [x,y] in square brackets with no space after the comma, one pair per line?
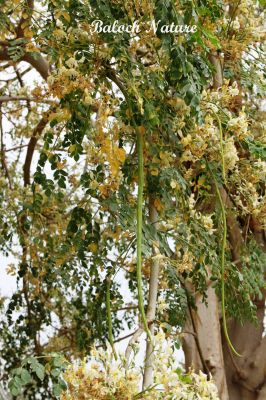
[59,34]
[208,223]
[71,62]
[233,90]
[235,25]
[162,305]
[72,73]
[104,377]
[239,125]
[230,154]
[191,202]
[173,184]
[59,23]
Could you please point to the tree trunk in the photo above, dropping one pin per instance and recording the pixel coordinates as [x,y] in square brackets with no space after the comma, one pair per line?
[236,378]
[246,376]
[206,352]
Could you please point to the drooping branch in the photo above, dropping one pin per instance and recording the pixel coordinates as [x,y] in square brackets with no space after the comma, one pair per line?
[31,146]
[40,63]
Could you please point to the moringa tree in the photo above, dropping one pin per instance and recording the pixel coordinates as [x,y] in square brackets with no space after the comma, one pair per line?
[136,159]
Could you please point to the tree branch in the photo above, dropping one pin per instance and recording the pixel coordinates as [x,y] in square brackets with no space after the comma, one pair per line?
[40,64]
[6,99]
[31,147]
[3,159]
[218,70]
[27,9]
[133,340]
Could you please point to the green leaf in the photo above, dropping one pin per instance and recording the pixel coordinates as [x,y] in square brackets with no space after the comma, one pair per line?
[58,361]
[25,376]
[61,183]
[58,388]
[257,149]
[15,390]
[15,386]
[55,372]
[210,36]
[39,370]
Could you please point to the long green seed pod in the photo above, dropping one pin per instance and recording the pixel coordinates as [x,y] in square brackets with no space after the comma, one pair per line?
[223,267]
[139,230]
[221,145]
[139,215]
[109,317]
[224,236]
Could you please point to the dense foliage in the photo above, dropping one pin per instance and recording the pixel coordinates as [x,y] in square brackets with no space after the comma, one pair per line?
[70,185]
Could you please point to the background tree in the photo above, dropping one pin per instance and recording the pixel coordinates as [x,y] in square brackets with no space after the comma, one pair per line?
[134,160]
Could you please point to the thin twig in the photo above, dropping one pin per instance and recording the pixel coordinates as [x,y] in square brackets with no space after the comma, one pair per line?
[6,99]
[133,340]
[3,160]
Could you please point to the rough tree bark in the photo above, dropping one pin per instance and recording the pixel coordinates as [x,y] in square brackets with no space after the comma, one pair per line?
[205,323]
[246,376]
[203,350]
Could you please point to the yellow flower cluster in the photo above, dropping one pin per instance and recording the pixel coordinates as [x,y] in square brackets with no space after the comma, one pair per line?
[66,79]
[200,141]
[204,140]
[246,179]
[242,28]
[103,378]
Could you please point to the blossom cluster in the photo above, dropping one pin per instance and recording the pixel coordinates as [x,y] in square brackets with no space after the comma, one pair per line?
[204,140]
[103,378]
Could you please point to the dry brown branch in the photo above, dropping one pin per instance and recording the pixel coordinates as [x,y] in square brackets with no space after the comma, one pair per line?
[3,159]
[31,146]
[28,9]
[40,64]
